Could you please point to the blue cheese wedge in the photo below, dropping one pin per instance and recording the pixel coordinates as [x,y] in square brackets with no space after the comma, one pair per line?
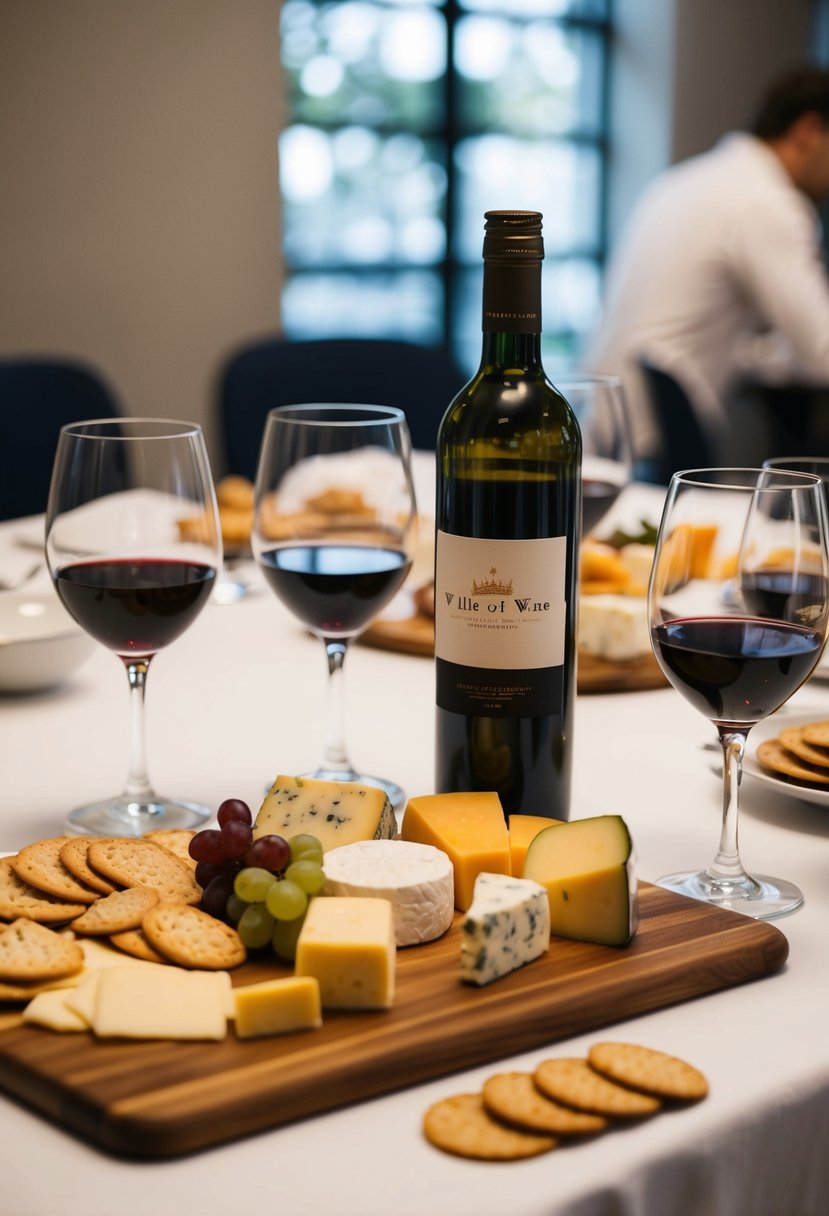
[506,926]
[336,812]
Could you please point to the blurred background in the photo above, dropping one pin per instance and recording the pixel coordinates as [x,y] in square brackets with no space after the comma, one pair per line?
[181,177]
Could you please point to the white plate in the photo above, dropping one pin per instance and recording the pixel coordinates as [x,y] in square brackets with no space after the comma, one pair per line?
[769,730]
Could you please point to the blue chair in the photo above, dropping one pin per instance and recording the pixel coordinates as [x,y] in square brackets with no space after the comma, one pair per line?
[37,398]
[420,380]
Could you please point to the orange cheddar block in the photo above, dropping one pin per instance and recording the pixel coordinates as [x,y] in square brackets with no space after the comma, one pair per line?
[522,830]
[469,828]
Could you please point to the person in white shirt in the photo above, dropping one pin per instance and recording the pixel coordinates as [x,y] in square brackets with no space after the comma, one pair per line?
[720,270]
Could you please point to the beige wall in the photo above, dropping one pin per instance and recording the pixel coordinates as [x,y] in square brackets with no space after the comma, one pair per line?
[139,220]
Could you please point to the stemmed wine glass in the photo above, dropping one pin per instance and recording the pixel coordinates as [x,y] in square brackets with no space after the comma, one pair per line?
[607,461]
[119,562]
[334,534]
[738,605]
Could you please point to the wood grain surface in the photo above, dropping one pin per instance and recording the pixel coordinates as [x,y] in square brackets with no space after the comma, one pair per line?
[416,635]
[161,1099]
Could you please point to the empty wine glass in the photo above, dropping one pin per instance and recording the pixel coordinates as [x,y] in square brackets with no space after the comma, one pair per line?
[738,605]
[120,490]
[334,533]
[607,462]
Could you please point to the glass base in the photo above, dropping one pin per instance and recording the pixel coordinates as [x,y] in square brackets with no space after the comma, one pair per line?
[754,895]
[124,816]
[396,795]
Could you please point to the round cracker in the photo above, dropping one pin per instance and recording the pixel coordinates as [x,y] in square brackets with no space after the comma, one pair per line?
[17,898]
[136,862]
[515,1098]
[189,937]
[817,733]
[40,865]
[793,740]
[576,1084]
[177,840]
[29,951]
[773,756]
[73,855]
[134,943]
[462,1125]
[654,1072]
[117,912]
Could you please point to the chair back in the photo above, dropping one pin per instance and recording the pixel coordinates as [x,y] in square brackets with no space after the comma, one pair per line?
[686,443]
[37,397]
[420,380]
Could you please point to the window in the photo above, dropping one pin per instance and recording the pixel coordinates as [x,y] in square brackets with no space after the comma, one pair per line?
[408,120]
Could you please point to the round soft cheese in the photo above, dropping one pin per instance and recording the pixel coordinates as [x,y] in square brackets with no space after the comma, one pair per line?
[417,880]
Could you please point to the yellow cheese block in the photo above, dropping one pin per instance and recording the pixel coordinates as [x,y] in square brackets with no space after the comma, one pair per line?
[470,828]
[347,943]
[522,830]
[336,812]
[587,867]
[277,1006]
[167,1003]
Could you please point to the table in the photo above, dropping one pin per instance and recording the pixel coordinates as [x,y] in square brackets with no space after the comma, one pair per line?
[239,698]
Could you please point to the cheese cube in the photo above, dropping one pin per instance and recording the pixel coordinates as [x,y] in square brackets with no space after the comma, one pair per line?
[167,1003]
[523,829]
[336,812]
[347,943]
[614,627]
[507,925]
[587,869]
[469,827]
[277,1006]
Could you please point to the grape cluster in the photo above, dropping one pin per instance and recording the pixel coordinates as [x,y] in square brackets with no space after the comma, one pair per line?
[262,886]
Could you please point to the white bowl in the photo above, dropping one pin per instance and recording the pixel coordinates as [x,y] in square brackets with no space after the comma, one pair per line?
[40,644]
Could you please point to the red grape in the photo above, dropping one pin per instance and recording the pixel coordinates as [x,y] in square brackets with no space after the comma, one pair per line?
[236,838]
[233,810]
[207,846]
[215,896]
[270,852]
[205,870]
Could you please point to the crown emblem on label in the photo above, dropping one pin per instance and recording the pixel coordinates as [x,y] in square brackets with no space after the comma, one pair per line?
[491,585]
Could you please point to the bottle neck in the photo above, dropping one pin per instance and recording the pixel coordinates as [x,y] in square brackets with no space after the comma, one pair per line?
[512,314]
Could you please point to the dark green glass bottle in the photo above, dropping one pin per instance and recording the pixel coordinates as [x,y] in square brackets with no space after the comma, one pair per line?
[508,518]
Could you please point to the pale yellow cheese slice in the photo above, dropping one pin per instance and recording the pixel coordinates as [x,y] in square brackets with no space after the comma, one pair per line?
[165,1003]
[50,1009]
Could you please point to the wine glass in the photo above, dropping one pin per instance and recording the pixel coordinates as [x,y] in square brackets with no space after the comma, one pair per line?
[124,563]
[607,461]
[735,635]
[334,534]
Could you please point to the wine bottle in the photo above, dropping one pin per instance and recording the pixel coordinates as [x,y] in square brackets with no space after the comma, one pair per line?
[508,517]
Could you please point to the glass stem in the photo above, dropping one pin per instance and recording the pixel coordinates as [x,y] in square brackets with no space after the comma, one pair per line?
[726,866]
[335,758]
[138,783]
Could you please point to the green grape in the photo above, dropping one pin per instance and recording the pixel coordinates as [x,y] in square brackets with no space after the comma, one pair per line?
[284,939]
[286,901]
[306,847]
[235,906]
[307,874]
[251,884]
[255,926]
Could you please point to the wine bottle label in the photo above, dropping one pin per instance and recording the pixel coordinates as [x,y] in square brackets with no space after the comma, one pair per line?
[500,617]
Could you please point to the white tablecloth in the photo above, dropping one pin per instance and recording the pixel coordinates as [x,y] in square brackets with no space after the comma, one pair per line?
[239,698]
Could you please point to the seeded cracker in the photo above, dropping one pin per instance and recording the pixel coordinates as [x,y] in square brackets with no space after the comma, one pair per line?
[141,863]
[575,1083]
[117,912]
[29,951]
[461,1125]
[515,1098]
[17,898]
[653,1071]
[40,865]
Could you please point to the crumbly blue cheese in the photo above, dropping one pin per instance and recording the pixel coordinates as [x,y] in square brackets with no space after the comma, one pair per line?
[506,926]
[336,812]
[614,627]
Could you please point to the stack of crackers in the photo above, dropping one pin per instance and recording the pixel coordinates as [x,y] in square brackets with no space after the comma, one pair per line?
[137,894]
[799,754]
[521,1114]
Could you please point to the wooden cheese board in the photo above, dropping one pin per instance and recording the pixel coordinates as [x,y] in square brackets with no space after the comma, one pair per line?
[161,1099]
[416,635]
